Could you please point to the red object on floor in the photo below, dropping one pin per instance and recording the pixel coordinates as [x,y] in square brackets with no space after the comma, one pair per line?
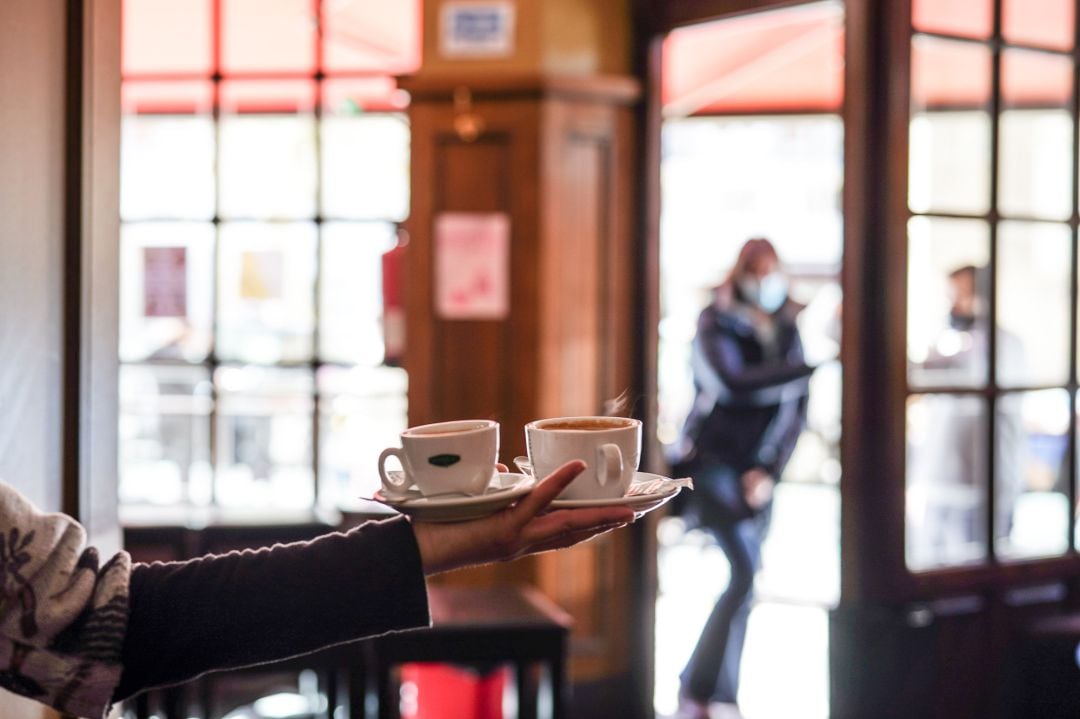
[445,691]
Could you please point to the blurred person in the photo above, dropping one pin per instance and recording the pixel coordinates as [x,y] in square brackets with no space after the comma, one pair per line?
[79,636]
[949,467]
[751,387]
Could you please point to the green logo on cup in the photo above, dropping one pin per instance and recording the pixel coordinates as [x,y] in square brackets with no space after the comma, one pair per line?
[444,460]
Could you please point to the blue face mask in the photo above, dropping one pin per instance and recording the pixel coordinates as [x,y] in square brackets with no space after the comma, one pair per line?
[769,293]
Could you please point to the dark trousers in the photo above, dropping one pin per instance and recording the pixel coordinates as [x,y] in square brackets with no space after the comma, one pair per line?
[712,674]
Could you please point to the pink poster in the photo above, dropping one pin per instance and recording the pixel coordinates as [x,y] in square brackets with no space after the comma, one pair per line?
[472,265]
[165,281]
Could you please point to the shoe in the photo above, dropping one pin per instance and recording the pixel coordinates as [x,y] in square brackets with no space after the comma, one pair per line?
[690,708]
[719,710]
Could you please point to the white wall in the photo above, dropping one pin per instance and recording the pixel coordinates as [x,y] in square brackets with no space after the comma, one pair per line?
[32,108]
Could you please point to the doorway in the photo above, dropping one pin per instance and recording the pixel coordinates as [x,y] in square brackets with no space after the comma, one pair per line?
[752,146]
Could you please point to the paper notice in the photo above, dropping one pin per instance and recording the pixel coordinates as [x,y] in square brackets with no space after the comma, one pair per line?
[472,266]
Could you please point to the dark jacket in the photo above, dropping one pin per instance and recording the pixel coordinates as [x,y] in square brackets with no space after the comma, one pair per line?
[750,402]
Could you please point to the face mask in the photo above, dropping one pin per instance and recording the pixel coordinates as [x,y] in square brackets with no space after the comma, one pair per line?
[961,322]
[769,293]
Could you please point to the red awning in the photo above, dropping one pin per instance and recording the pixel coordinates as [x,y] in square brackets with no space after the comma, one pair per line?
[782,61]
[791,60]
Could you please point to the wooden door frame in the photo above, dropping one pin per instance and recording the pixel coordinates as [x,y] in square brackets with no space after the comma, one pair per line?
[652,21]
[91,270]
[681,13]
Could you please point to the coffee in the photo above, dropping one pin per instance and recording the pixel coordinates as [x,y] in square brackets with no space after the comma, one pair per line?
[609,446]
[591,424]
[441,433]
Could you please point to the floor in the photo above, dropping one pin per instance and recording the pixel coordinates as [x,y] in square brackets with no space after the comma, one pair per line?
[785,663]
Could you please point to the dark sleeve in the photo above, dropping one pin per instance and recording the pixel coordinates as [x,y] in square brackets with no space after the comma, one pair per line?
[780,437]
[724,360]
[255,606]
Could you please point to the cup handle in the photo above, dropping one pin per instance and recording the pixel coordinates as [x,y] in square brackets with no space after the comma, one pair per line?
[389,484]
[609,464]
[524,465]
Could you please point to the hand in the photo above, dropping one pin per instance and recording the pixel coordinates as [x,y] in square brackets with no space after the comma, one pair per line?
[757,485]
[519,530]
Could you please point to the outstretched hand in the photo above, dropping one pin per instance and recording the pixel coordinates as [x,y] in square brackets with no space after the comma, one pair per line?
[524,528]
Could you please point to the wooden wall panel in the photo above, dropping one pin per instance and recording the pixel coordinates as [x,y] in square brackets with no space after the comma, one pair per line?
[472,368]
[557,160]
[32,112]
[471,177]
[59,187]
[587,353]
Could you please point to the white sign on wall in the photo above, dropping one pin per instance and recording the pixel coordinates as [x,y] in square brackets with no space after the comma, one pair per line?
[472,265]
[477,29]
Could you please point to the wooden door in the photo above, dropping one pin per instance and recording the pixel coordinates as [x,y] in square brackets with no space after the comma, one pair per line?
[958,490]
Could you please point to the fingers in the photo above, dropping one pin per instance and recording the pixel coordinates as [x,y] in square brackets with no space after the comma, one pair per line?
[569,521]
[548,489]
[500,467]
[569,540]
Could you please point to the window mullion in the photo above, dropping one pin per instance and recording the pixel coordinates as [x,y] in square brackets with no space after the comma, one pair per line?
[992,373]
[212,359]
[316,331]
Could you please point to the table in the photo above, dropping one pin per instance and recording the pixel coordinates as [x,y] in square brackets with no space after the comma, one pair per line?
[498,624]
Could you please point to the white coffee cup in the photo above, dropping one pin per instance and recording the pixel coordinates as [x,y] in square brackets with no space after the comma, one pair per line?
[444,458]
[609,446]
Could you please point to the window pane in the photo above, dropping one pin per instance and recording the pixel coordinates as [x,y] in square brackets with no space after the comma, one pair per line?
[363,410]
[266,292]
[351,310]
[968,18]
[165,36]
[167,168]
[1035,173]
[365,167]
[166,290]
[1033,303]
[268,36]
[164,435]
[949,163]
[264,438]
[267,166]
[372,36]
[1047,23]
[1032,510]
[948,292]
[946,480]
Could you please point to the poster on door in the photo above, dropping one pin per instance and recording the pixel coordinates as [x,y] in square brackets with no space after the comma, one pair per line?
[165,281]
[472,265]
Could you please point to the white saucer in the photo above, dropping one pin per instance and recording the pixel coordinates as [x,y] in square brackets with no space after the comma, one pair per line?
[647,492]
[505,487]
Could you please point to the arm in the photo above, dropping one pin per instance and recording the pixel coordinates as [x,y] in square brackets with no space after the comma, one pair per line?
[778,441]
[254,606]
[250,607]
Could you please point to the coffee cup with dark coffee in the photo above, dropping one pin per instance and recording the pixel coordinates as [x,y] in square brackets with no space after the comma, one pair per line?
[609,446]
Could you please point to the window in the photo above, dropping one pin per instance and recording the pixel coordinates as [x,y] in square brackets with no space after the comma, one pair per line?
[992,311]
[265,160]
